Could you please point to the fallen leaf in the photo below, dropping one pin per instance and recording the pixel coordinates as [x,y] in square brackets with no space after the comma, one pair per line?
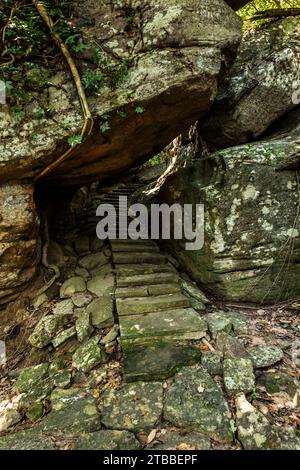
[151,436]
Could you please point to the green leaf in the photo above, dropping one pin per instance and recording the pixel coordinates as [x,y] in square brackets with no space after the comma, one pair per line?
[139,110]
[74,140]
[105,127]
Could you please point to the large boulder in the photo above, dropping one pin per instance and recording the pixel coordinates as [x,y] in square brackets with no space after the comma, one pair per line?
[251,250]
[170,56]
[260,86]
[19,248]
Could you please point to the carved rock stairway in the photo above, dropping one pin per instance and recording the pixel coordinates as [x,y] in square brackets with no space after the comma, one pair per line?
[156,320]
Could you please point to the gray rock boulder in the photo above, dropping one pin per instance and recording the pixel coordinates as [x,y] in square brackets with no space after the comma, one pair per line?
[259,87]
[19,247]
[252,232]
[194,401]
[165,65]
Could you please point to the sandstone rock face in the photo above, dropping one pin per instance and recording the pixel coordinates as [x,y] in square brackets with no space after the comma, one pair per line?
[176,52]
[259,87]
[18,238]
[251,248]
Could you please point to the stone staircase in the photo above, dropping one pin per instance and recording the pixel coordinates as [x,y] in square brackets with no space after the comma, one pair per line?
[154,315]
[156,320]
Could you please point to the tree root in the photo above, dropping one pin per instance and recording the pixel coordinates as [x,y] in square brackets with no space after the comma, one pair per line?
[88,119]
[46,264]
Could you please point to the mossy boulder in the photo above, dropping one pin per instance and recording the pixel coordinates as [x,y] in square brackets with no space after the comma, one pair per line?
[251,223]
[194,401]
[259,87]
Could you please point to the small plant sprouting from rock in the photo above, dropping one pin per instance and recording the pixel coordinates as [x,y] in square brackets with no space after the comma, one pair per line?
[254,395]
[139,110]
[74,140]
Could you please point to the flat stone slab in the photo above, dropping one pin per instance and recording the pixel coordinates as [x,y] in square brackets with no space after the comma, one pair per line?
[176,324]
[135,291]
[64,307]
[72,411]
[29,439]
[163,289]
[194,291]
[173,440]
[134,247]
[93,261]
[158,362]
[133,269]
[218,321]
[107,440]
[145,291]
[46,329]
[72,286]
[238,375]
[101,285]
[194,401]
[265,356]
[231,346]
[133,407]
[212,362]
[82,299]
[139,305]
[31,376]
[88,355]
[137,258]
[147,279]
[255,432]
[101,312]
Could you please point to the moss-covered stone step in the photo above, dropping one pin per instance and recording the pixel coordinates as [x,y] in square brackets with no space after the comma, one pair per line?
[132,246]
[139,305]
[147,279]
[133,269]
[137,258]
[170,324]
[146,291]
[158,362]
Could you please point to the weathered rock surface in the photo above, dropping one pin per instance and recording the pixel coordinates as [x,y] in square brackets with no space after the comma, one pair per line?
[177,441]
[72,411]
[31,376]
[46,329]
[196,402]
[171,88]
[8,418]
[259,87]
[158,362]
[255,432]
[133,407]
[212,362]
[238,375]
[88,355]
[251,221]
[107,440]
[72,286]
[19,248]
[265,356]
[29,439]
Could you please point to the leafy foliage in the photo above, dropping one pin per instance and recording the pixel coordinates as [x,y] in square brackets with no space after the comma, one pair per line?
[261,5]
[28,56]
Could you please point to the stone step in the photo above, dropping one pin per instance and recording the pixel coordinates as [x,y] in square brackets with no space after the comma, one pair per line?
[147,279]
[176,324]
[137,258]
[158,362]
[147,290]
[132,269]
[139,305]
[137,242]
[133,247]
